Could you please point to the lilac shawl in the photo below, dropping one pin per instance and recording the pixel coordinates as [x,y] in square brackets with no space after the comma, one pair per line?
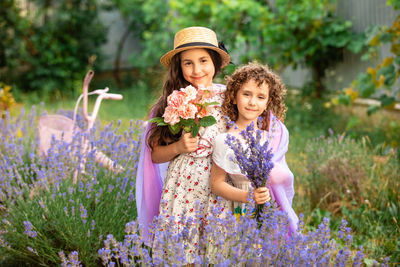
[149,184]
[281,179]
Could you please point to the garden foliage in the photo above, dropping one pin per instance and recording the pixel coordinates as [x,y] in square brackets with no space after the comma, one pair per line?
[342,178]
[50,45]
[380,81]
[283,33]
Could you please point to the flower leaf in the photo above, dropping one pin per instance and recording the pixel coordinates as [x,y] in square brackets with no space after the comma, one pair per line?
[157,120]
[195,130]
[174,128]
[207,121]
[187,122]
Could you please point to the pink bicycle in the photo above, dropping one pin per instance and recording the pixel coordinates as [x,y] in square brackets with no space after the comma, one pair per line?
[62,128]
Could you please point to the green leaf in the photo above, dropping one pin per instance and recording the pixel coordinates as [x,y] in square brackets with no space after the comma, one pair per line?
[372,109]
[387,100]
[344,99]
[195,130]
[207,121]
[187,122]
[386,37]
[356,44]
[174,128]
[397,60]
[389,73]
[365,85]
[157,120]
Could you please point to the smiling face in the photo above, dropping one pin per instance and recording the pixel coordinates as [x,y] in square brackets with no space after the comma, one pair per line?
[251,100]
[197,67]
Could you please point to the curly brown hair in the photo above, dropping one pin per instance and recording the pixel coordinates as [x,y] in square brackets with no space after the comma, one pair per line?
[259,74]
[173,80]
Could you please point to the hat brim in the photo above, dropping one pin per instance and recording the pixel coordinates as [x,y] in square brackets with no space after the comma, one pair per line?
[166,58]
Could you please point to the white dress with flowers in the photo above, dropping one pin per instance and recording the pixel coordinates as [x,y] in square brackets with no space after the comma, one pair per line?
[223,157]
[187,181]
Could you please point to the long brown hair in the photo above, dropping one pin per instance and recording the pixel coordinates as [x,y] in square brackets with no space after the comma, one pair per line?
[259,74]
[173,80]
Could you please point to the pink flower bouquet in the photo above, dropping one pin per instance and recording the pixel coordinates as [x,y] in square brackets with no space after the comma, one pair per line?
[187,109]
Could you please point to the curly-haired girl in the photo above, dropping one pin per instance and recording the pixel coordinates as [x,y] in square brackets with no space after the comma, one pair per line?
[255,91]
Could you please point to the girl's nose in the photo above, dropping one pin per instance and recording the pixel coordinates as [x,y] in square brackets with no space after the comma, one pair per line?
[196,68]
[252,101]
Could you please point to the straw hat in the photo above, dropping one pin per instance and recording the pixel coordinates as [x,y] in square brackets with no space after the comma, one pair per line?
[196,37]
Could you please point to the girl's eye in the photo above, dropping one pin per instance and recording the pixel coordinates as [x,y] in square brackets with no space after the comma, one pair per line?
[203,60]
[261,97]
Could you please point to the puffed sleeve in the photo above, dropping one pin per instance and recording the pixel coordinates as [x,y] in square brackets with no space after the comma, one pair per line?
[223,156]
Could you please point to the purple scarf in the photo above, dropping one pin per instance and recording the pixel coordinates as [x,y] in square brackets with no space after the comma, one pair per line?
[281,179]
[149,184]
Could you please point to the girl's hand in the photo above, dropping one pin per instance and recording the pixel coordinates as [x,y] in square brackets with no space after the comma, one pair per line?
[186,144]
[261,195]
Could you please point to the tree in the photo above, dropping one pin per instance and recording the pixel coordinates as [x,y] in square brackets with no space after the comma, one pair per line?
[379,81]
[308,33]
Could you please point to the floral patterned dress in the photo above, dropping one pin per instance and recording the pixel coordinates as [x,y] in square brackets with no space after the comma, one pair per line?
[187,181]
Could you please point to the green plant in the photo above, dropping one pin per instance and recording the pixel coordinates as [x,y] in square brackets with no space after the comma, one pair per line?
[57,44]
[308,33]
[13,28]
[379,81]
[344,178]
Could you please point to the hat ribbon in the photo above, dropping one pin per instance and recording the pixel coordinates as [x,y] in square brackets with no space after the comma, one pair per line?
[221,46]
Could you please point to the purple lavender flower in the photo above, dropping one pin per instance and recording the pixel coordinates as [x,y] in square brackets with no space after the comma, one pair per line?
[29,229]
[253,157]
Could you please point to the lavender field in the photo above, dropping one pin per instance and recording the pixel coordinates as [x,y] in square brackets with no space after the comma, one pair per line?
[48,220]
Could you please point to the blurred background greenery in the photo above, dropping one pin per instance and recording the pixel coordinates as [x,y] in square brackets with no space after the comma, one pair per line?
[345,156]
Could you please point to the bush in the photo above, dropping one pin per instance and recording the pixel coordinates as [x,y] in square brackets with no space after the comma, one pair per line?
[228,242]
[44,212]
[53,46]
[344,178]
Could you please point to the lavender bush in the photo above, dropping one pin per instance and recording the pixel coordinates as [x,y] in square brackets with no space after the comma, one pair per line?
[44,214]
[229,242]
[46,219]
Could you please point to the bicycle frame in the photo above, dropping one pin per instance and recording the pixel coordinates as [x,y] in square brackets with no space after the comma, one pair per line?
[90,119]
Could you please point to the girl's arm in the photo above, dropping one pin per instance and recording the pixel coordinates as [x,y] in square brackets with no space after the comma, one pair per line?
[186,144]
[221,188]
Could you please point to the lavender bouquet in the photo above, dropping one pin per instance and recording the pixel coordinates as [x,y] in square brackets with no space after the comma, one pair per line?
[253,158]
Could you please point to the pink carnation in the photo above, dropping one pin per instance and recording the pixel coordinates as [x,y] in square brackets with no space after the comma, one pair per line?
[176,99]
[171,115]
[206,93]
[187,111]
[190,93]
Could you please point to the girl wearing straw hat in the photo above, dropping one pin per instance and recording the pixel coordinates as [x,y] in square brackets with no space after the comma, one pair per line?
[196,59]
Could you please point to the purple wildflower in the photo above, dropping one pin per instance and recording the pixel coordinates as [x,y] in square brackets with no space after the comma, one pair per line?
[253,157]
[29,229]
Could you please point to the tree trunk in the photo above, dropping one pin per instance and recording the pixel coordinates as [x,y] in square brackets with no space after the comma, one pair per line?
[117,61]
[318,76]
